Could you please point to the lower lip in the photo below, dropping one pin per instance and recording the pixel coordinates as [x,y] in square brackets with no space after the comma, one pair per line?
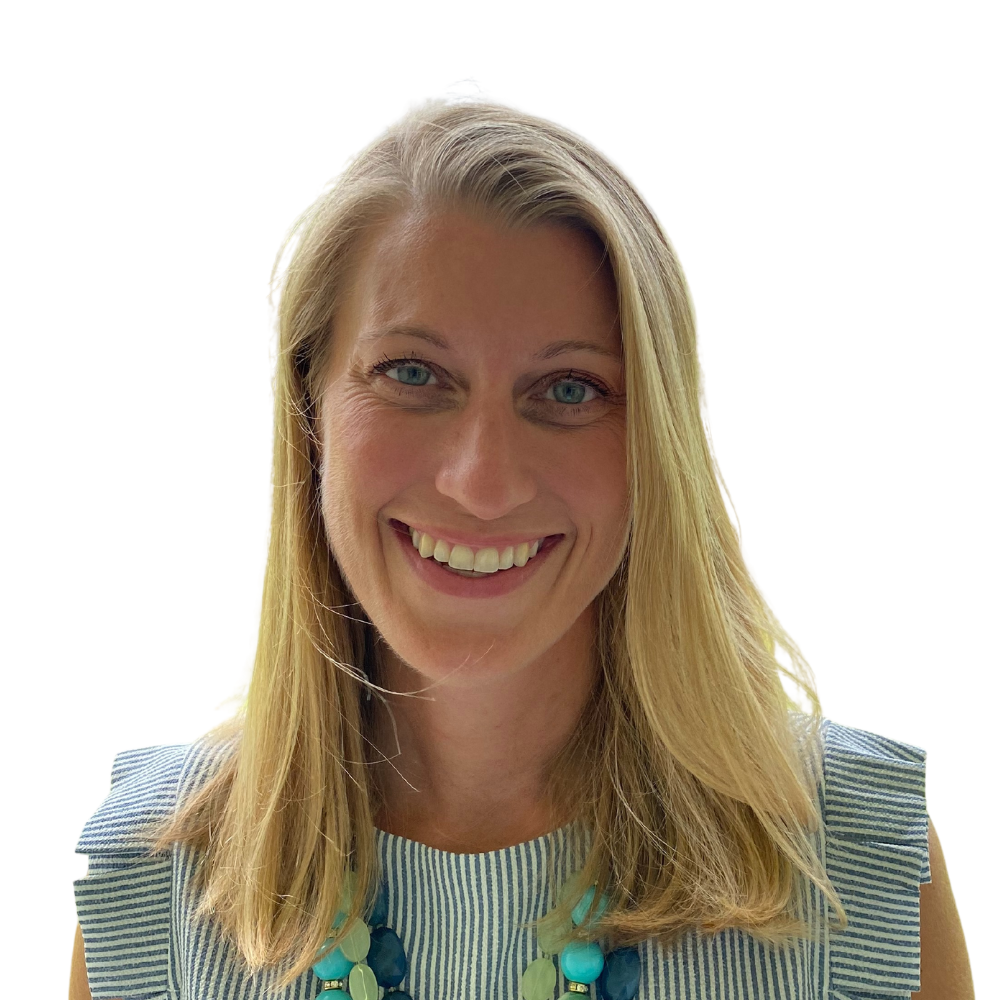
[497,584]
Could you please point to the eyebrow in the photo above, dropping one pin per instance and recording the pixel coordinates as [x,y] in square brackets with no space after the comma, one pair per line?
[552,350]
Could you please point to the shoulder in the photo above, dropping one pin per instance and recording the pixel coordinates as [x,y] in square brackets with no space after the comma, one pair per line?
[855,745]
[124,904]
[147,785]
[875,826]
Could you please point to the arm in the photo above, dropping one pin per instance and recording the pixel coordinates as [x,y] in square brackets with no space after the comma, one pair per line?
[945,973]
[79,987]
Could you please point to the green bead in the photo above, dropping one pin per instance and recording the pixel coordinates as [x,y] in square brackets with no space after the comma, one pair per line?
[553,939]
[346,896]
[572,996]
[357,942]
[572,888]
[362,983]
[539,980]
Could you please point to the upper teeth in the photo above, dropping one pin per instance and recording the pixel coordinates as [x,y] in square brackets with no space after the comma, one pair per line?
[479,560]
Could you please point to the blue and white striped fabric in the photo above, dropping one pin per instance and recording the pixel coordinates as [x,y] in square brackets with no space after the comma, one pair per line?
[458,915]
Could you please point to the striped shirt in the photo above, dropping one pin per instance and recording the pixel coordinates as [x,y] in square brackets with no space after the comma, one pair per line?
[460,916]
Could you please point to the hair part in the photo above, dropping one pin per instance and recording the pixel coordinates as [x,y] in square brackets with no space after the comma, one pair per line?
[700,784]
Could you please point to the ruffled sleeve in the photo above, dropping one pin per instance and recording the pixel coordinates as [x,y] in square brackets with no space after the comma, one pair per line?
[875,818]
[124,903]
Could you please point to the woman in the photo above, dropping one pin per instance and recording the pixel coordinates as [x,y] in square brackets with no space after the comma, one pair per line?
[495,508]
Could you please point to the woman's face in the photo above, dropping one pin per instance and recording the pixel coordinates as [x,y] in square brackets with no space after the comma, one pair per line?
[474,394]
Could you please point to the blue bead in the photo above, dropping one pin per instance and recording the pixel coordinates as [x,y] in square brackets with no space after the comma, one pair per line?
[581,961]
[381,912]
[397,995]
[386,957]
[620,978]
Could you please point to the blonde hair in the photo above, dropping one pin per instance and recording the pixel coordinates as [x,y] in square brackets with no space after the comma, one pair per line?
[700,783]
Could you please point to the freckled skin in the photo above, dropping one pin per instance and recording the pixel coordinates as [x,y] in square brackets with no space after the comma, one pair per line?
[488,449]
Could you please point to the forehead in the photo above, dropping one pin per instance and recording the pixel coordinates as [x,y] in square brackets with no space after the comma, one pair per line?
[470,278]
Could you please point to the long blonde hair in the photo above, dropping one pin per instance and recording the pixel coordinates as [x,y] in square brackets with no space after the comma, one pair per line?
[700,787]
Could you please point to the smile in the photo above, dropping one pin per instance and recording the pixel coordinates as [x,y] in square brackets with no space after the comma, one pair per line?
[470,561]
[469,571]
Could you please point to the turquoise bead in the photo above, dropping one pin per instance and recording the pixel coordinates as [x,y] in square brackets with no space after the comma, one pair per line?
[333,965]
[580,910]
[581,962]
[333,995]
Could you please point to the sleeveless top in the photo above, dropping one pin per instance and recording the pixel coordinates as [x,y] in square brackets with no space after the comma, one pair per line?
[458,915]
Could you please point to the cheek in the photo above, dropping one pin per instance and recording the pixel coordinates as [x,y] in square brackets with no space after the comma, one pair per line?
[591,467]
[591,475]
[369,458]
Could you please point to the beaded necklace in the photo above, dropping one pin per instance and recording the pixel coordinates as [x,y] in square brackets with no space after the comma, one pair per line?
[371,955]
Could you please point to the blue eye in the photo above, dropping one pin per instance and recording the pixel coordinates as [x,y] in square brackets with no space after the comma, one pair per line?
[415,375]
[415,365]
[570,392]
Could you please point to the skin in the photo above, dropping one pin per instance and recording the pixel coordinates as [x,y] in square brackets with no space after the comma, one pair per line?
[488,450]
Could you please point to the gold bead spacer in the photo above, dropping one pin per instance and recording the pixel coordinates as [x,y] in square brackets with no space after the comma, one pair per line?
[578,987]
[334,984]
